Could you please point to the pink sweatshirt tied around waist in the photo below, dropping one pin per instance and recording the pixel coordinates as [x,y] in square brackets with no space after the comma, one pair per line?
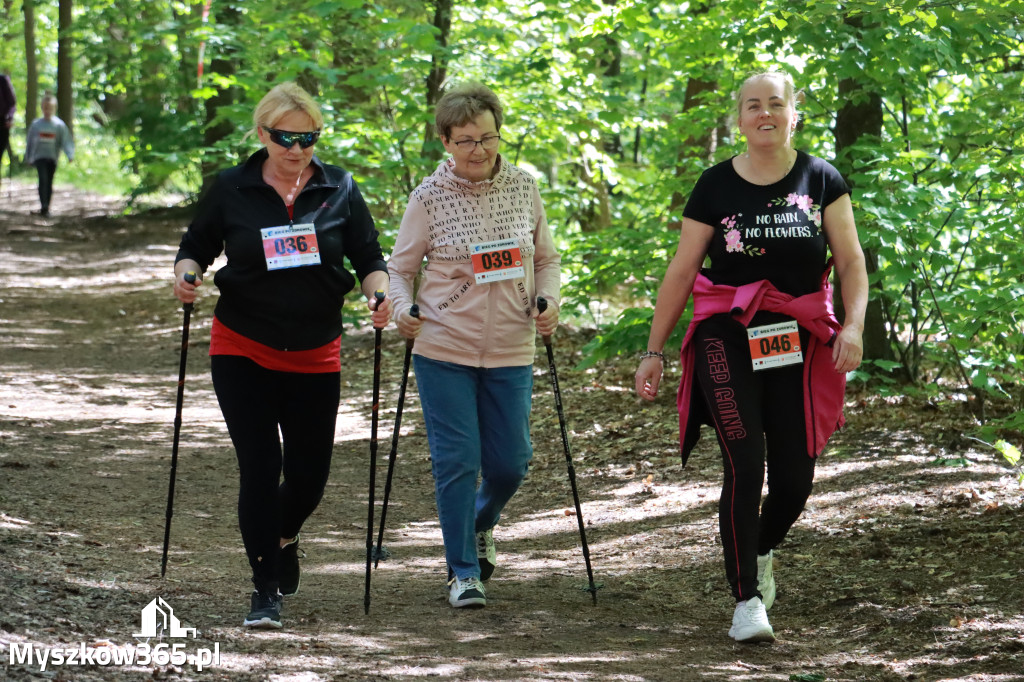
[824,387]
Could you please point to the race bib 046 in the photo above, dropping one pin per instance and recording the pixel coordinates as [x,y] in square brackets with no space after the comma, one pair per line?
[775,345]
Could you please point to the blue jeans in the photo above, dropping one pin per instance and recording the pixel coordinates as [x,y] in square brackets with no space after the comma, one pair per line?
[478,424]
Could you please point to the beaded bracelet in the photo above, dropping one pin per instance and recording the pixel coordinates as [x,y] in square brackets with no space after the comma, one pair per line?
[652,354]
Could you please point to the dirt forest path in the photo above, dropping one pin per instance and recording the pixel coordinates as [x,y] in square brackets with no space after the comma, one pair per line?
[900,569]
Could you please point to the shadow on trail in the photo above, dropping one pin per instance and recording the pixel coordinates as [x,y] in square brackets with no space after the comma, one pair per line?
[899,569]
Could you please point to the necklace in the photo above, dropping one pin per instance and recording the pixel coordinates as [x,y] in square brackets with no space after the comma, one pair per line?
[287,189]
[759,177]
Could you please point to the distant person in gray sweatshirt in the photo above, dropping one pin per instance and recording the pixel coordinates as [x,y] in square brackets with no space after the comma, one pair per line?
[47,137]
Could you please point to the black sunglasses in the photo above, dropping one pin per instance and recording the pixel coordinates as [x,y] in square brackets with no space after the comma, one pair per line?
[287,138]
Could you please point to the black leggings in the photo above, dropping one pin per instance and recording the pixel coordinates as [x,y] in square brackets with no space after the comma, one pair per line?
[261,408]
[45,168]
[753,411]
[5,141]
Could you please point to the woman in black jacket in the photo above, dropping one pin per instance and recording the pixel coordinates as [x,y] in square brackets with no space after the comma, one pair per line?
[285,221]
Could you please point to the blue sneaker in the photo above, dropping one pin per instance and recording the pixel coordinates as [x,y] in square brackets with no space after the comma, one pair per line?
[264,610]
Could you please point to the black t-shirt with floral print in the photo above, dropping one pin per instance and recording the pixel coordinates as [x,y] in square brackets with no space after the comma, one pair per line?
[768,232]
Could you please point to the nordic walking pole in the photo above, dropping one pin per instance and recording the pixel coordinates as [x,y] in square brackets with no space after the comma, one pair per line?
[379,552]
[379,295]
[190,277]
[542,305]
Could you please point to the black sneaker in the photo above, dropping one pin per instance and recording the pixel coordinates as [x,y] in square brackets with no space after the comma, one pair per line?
[265,610]
[288,568]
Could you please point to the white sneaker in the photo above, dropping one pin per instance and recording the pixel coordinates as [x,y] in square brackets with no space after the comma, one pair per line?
[766,580]
[750,622]
[485,553]
[468,592]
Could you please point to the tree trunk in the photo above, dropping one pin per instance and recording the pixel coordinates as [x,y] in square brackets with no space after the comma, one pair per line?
[7,38]
[307,80]
[65,70]
[185,24]
[861,116]
[438,70]
[707,142]
[225,64]
[31,65]
[608,52]
[610,60]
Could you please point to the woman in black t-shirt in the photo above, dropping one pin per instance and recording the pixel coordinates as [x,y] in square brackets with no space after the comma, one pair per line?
[764,359]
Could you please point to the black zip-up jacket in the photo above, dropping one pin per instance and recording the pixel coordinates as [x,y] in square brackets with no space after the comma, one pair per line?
[289,309]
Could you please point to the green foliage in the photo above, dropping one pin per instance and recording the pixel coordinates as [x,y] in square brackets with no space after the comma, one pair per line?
[1010,452]
[880,375]
[97,164]
[938,194]
[627,334]
[613,106]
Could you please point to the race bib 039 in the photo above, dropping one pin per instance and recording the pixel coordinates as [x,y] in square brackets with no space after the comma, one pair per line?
[493,261]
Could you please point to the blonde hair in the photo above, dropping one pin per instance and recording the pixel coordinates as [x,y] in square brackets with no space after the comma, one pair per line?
[789,93]
[282,100]
[462,103]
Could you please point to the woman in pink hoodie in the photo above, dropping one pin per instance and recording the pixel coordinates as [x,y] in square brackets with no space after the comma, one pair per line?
[764,358]
[479,224]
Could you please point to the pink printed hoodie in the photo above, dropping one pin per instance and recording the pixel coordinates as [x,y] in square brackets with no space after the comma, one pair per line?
[480,325]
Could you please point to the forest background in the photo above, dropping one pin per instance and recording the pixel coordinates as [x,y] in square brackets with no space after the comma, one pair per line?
[616,106]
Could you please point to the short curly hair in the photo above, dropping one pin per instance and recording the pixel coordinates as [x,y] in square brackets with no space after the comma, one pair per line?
[462,103]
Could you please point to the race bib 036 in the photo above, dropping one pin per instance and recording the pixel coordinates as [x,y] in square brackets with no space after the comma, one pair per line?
[290,246]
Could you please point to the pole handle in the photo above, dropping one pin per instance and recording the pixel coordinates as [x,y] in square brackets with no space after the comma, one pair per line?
[379,297]
[191,278]
[414,310]
[542,305]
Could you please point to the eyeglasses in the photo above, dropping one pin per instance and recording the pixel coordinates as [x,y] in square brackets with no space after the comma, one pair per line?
[287,139]
[490,143]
